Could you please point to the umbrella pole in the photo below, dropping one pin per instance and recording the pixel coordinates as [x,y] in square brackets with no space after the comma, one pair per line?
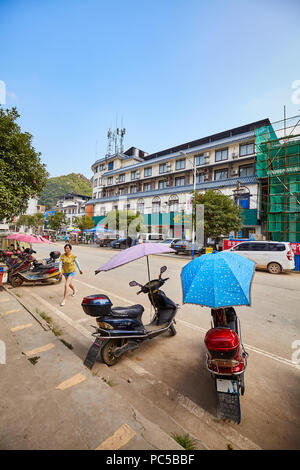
[148,268]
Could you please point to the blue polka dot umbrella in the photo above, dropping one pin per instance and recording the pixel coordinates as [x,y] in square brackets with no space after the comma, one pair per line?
[218,280]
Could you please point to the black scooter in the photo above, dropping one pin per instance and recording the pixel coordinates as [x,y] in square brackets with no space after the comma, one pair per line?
[121,329]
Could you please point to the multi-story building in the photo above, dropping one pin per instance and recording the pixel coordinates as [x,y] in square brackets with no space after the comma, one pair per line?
[162,183]
[73,205]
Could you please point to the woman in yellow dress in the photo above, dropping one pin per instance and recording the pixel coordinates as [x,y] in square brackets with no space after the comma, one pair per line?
[67,264]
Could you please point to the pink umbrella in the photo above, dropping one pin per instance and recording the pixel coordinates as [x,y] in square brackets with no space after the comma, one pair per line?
[25,237]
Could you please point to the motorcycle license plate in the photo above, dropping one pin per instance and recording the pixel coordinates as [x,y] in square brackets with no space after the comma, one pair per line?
[227,386]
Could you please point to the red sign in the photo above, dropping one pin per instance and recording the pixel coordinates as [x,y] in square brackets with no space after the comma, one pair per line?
[230,243]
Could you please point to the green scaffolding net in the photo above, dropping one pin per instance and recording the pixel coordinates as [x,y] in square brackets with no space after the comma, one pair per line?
[278,161]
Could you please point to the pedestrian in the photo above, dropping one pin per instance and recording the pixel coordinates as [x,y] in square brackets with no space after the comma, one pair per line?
[67,268]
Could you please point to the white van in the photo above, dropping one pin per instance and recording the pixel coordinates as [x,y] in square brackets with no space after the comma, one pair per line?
[152,237]
[274,256]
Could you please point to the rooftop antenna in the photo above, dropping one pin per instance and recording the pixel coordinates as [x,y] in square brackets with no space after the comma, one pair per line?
[109,142]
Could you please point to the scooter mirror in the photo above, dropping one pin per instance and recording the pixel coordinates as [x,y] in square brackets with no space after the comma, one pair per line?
[133,283]
[163,269]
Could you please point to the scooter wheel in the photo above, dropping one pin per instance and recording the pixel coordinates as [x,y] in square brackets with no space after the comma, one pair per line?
[16,281]
[107,352]
[172,330]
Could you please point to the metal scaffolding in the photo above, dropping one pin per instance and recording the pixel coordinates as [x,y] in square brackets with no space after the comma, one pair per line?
[278,167]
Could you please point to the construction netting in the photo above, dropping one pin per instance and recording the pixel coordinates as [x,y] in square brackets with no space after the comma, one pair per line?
[278,162]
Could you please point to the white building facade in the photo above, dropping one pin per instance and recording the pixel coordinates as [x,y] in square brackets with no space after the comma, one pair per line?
[72,205]
[163,183]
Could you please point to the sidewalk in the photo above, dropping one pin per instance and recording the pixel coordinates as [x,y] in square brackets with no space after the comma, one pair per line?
[49,400]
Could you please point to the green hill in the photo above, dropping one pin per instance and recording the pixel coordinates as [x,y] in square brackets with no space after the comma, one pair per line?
[57,187]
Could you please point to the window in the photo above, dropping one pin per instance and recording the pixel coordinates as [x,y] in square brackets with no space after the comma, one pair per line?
[133,175]
[221,155]
[96,182]
[179,181]
[101,167]
[140,206]
[148,171]
[252,247]
[163,168]
[162,184]
[110,180]
[221,174]
[200,178]
[243,200]
[174,203]
[96,169]
[147,187]
[122,178]
[111,165]
[276,247]
[123,191]
[156,205]
[132,189]
[199,160]
[247,149]
[180,164]
[247,170]
[102,211]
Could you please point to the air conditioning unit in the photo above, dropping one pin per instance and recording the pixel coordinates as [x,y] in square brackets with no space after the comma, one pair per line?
[117,179]
[168,166]
[234,172]
[234,155]
[138,175]
[206,177]
[206,155]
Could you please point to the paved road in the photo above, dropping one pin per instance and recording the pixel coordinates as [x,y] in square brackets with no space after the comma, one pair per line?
[168,374]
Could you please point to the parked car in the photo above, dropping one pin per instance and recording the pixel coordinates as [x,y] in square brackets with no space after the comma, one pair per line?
[169,241]
[185,247]
[120,243]
[273,256]
[152,237]
[105,241]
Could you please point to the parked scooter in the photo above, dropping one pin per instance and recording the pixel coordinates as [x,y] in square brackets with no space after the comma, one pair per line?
[121,329]
[226,360]
[28,269]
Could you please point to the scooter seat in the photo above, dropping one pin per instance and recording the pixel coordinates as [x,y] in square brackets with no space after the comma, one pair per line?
[131,312]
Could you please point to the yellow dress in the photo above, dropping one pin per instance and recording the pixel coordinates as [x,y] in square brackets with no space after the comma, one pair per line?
[68,263]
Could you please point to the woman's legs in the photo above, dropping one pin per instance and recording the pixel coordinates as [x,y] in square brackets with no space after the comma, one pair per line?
[72,286]
[67,284]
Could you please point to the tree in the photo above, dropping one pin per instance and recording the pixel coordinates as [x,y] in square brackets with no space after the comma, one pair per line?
[22,175]
[31,221]
[57,220]
[83,223]
[129,221]
[221,214]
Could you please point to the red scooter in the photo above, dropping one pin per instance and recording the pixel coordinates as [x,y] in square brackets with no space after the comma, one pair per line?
[226,360]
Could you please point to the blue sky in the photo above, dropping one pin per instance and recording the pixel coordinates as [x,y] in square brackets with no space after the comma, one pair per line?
[172,70]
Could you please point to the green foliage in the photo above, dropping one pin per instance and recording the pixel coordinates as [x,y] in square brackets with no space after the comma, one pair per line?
[185,440]
[31,221]
[22,175]
[57,187]
[221,214]
[83,223]
[125,220]
[57,221]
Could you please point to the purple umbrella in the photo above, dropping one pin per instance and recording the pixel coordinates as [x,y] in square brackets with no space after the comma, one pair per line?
[133,253]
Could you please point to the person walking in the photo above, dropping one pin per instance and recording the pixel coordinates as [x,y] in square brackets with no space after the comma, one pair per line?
[66,265]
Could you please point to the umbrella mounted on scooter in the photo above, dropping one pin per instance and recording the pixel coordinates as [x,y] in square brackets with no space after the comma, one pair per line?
[133,253]
[221,281]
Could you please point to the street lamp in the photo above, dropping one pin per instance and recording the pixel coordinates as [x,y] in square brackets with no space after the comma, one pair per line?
[193,225]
